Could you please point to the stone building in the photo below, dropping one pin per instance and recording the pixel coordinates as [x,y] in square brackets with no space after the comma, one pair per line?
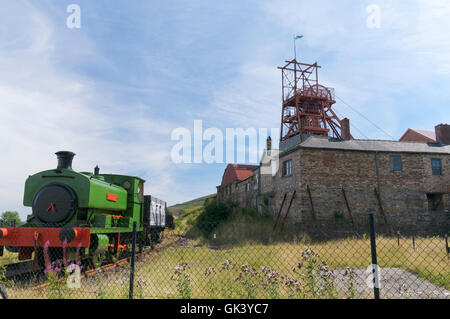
[238,185]
[321,177]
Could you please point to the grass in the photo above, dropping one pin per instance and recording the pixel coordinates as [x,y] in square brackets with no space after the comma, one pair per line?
[252,235]
[188,213]
[244,258]
[429,261]
[203,274]
[186,219]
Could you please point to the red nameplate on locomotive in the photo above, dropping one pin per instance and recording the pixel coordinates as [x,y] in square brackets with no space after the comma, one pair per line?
[111,197]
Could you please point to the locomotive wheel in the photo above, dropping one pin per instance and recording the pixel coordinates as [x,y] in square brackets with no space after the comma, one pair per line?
[97,259]
[155,238]
[112,258]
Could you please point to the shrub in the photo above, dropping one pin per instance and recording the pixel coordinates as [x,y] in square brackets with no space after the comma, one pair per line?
[213,214]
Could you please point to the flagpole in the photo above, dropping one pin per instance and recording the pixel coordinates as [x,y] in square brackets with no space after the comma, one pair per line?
[296,37]
[295,50]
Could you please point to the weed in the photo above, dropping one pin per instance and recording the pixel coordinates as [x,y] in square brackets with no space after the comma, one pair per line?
[181,276]
[350,273]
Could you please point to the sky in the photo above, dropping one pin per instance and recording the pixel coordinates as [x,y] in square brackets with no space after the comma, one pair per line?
[114,90]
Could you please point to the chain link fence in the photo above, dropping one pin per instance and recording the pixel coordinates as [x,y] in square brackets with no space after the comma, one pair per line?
[319,259]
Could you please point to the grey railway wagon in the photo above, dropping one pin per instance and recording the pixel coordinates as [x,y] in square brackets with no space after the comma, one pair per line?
[155,212]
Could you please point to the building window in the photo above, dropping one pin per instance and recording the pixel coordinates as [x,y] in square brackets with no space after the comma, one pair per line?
[287,168]
[396,163]
[247,187]
[436,166]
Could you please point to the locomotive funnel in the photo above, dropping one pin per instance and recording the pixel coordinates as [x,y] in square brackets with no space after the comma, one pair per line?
[65,159]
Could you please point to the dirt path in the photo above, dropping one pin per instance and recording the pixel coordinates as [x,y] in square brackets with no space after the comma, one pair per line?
[395,283]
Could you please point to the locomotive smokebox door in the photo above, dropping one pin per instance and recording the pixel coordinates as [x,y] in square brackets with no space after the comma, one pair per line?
[54,203]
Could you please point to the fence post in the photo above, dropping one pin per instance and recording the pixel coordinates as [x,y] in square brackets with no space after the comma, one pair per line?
[446,245]
[373,248]
[133,256]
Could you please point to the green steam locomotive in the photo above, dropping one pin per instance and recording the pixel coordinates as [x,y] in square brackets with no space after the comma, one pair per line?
[84,216]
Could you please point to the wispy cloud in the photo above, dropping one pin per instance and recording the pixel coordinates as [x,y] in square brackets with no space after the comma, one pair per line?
[45,109]
[113,90]
[393,75]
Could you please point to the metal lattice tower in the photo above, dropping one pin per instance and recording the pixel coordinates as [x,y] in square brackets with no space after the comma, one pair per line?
[307,105]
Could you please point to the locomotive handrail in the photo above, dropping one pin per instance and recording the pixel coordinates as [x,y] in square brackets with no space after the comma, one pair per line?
[57,176]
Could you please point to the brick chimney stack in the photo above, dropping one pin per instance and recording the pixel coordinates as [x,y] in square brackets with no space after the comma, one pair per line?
[345,129]
[443,134]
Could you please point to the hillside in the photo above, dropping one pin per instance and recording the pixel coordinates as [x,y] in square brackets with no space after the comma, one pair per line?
[190,205]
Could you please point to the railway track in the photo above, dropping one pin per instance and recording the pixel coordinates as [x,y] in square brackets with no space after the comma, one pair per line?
[20,268]
[23,271]
[110,266]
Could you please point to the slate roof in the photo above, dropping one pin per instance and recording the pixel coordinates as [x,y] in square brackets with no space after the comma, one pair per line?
[321,142]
